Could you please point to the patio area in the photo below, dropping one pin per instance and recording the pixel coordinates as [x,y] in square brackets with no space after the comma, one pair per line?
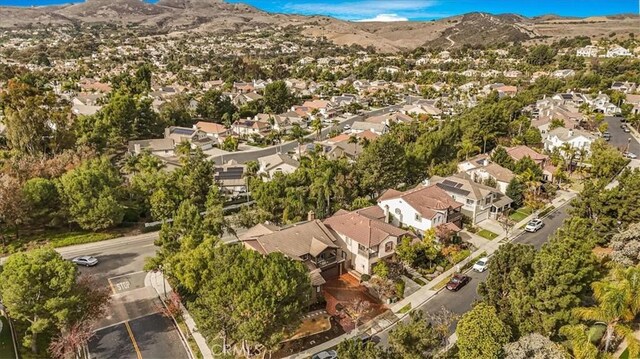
[343,292]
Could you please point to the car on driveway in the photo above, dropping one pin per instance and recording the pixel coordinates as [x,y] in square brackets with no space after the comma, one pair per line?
[457,281]
[606,136]
[327,354]
[481,265]
[534,225]
[630,155]
[87,261]
[625,128]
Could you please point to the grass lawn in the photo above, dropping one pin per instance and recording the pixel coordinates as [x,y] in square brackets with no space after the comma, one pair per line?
[521,214]
[6,341]
[625,354]
[405,309]
[487,234]
[54,238]
[442,283]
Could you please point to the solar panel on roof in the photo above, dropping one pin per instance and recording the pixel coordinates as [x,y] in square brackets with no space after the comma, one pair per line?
[183,131]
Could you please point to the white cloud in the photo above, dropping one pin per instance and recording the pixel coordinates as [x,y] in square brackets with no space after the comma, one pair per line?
[385,18]
[400,10]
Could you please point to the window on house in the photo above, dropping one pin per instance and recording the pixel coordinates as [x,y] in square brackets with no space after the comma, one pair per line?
[397,210]
[418,217]
[470,201]
[388,247]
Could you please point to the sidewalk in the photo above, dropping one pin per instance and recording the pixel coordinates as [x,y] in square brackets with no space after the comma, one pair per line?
[157,281]
[425,293]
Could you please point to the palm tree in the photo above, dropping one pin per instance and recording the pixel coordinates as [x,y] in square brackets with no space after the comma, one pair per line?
[486,137]
[568,154]
[317,126]
[618,305]
[580,341]
[298,134]
[353,139]
[467,147]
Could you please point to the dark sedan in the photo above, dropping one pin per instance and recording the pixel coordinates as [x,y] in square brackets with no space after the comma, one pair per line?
[457,281]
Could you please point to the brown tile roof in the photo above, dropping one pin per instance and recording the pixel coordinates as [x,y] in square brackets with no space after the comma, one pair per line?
[295,241]
[519,152]
[499,173]
[362,229]
[210,127]
[426,200]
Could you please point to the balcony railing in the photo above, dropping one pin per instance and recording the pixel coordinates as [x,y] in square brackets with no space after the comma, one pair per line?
[367,254]
[323,262]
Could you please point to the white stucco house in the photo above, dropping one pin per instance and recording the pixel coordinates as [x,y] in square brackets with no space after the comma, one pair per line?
[422,208]
[577,139]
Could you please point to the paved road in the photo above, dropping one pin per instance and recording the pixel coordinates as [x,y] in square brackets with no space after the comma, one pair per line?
[619,138]
[461,301]
[246,156]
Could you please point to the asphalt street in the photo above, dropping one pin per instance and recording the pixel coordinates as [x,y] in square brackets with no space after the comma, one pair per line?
[460,302]
[619,138]
[246,156]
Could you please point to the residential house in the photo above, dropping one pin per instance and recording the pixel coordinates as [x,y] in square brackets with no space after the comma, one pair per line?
[624,86]
[618,51]
[577,139]
[519,152]
[250,127]
[479,202]
[277,163]
[311,243]
[162,147]
[422,208]
[244,98]
[195,137]
[482,170]
[421,109]
[512,74]
[231,178]
[633,100]
[587,51]
[365,237]
[212,129]
[377,128]
[563,74]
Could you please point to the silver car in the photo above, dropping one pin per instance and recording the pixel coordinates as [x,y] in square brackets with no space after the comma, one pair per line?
[534,225]
[87,261]
[327,354]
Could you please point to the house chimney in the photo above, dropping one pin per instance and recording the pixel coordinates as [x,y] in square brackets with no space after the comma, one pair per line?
[136,148]
[311,216]
[571,133]
[386,214]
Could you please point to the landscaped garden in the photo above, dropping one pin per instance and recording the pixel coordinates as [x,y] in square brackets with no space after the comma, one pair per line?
[520,214]
[7,350]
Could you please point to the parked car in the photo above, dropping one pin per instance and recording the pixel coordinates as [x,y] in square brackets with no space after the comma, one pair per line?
[347,127]
[625,128]
[327,354]
[87,261]
[630,155]
[534,225]
[457,281]
[481,265]
[606,136]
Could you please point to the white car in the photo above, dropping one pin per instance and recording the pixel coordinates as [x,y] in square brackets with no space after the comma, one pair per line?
[630,155]
[534,225]
[347,127]
[87,261]
[327,354]
[481,265]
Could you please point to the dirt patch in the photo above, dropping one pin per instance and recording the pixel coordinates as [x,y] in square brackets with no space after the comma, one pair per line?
[298,345]
[343,292]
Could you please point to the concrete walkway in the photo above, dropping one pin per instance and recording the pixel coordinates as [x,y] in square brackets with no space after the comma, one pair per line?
[425,293]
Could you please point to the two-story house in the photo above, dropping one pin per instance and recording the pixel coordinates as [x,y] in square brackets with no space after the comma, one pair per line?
[577,139]
[481,170]
[519,152]
[421,208]
[310,242]
[365,237]
[479,202]
[277,163]
[195,137]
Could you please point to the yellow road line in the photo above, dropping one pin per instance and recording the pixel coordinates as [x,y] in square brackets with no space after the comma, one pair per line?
[133,340]
[111,285]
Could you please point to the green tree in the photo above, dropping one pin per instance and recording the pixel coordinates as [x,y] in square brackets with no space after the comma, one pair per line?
[541,55]
[416,339]
[481,333]
[162,204]
[37,288]
[36,120]
[507,286]
[214,105]
[515,191]
[534,346]
[89,195]
[176,112]
[626,246]
[355,349]
[382,165]
[563,271]
[278,97]
[501,157]
[605,160]
[41,198]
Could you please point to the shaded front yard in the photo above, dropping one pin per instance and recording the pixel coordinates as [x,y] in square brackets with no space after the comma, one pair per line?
[345,290]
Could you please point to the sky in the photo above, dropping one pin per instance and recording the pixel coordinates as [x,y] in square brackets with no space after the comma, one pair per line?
[419,10]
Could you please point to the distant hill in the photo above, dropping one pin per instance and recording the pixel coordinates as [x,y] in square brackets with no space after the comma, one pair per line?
[217,15]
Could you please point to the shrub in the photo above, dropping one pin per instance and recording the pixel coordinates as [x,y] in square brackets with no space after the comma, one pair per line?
[400,288]
[365,277]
